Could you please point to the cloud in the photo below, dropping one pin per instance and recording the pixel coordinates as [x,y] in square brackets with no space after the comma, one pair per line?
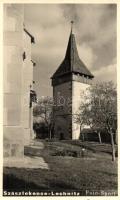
[86,55]
[106,73]
[45,15]
[97,22]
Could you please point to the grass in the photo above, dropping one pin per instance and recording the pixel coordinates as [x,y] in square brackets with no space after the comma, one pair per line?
[95,172]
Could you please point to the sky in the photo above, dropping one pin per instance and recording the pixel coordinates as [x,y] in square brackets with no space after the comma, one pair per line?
[95,32]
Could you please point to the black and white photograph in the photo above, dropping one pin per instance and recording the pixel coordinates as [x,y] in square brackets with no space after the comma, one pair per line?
[60,113]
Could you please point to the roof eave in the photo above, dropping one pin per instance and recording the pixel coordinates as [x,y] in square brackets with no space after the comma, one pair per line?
[59,75]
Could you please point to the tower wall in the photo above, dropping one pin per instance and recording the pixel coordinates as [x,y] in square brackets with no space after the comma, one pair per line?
[77,97]
[67,99]
[62,110]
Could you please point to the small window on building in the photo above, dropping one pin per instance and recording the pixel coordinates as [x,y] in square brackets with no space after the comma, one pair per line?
[24,55]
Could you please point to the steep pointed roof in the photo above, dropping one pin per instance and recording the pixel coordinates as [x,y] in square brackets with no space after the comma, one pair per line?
[72,63]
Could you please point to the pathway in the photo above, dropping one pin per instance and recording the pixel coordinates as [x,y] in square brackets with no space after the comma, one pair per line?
[33,162]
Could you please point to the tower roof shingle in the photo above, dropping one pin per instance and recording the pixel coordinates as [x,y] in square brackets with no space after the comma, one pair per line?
[72,63]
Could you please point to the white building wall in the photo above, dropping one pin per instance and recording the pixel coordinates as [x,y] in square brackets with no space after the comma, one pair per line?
[12,76]
[17,77]
[27,82]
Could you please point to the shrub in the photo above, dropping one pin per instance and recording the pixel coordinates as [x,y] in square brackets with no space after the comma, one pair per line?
[71,153]
[51,140]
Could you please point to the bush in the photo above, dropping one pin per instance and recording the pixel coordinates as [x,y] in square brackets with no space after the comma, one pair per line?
[41,130]
[71,153]
[51,140]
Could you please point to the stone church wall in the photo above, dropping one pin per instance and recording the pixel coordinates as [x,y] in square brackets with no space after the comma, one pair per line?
[13,34]
[17,77]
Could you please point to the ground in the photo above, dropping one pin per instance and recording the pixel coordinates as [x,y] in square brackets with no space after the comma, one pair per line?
[67,170]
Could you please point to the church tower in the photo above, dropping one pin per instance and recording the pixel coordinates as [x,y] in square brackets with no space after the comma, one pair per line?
[70,79]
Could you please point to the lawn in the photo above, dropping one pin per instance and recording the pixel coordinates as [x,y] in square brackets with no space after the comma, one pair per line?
[94,172]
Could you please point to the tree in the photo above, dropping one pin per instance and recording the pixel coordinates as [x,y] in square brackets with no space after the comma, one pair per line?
[43,109]
[99,110]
